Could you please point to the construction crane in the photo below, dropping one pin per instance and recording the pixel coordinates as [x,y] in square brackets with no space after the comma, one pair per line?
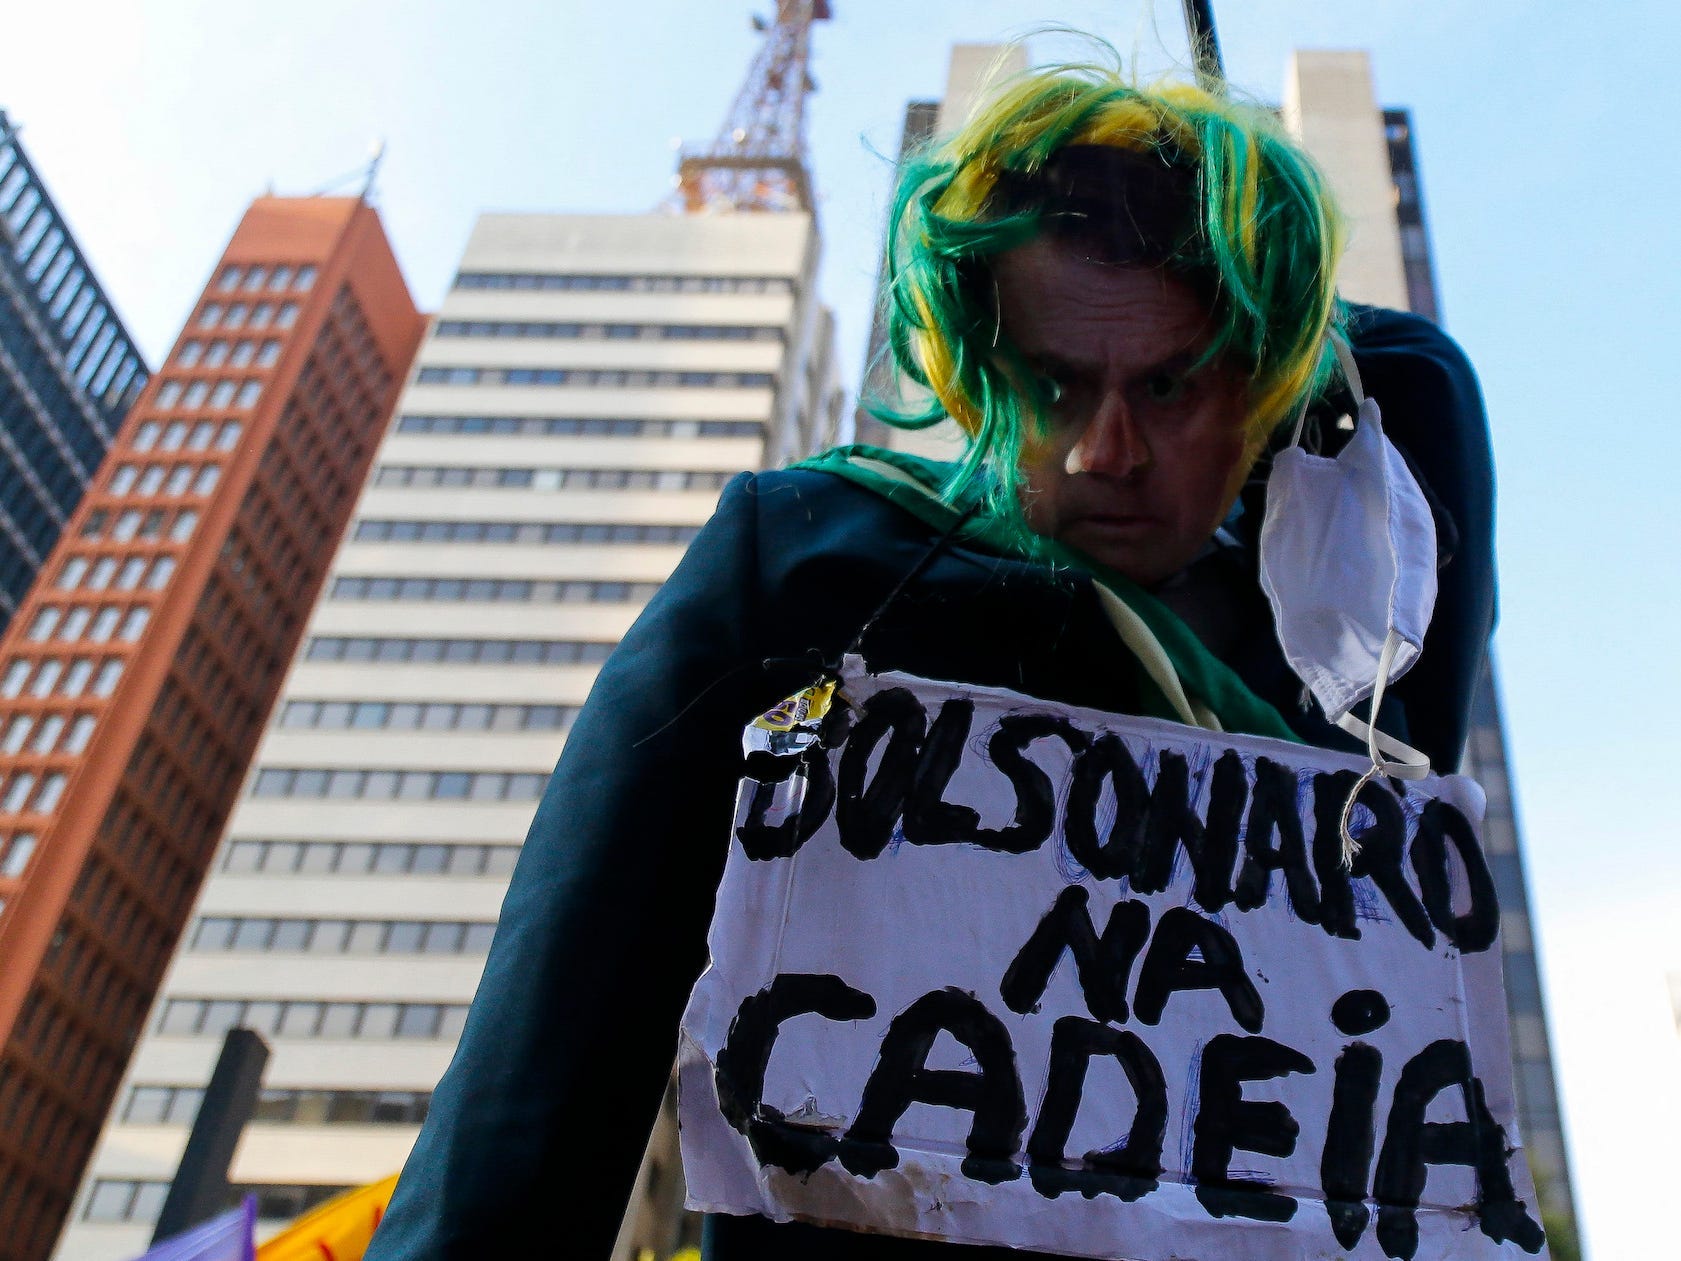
[757,161]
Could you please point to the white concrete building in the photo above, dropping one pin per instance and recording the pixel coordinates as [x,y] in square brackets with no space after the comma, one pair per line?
[586,390]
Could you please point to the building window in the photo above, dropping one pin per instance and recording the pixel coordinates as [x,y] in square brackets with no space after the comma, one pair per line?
[17,732]
[162,1105]
[242,353]
[110,674]
[249,393]
[103,570]
[261,314]
[169,393]
[81,731]
[281,278]
[217,355]
[151,479]
[52,788]
[269,355]
[135,623]
[182,529]
[94,525]
[151,526]
[75,623]
[229,436]
[18,852]
[11,684]
[46,677]
[46,735]
[146,436]
[105,625]
[234,317]
[128,524]
[256,278]
[189,354]
[174,434]
[207,479]
[76,677]
[223,394]
[180,477]
[163,568]
[287,315]
[194,397]
[305,279]
[129,578]
[42,627]
[70,577]
[17,792]
[228,280]
[114,1200]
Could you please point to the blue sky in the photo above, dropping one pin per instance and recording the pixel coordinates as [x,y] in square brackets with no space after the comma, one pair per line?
[1551,182]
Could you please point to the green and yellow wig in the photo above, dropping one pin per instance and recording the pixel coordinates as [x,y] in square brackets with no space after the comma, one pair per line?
[1259,239]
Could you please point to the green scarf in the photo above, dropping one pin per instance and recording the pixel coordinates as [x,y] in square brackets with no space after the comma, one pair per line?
[1203,676]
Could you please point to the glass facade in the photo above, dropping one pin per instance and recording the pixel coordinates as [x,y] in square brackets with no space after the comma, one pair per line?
[68,372]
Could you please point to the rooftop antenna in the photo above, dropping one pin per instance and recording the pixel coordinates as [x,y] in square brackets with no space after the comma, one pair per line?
[757,160]
[373,169]
[1205,45]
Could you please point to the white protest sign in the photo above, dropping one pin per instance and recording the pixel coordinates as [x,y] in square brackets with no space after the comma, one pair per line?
[995,970]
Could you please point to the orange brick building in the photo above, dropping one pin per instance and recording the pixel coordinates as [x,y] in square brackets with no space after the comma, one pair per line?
[136,678]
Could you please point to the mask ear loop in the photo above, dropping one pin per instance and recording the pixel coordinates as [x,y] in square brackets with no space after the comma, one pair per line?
[1402,760]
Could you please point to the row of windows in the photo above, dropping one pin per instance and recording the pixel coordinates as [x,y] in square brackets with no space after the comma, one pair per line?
[128,576]
[53,733]
[70,677]
[552,478]
[354,785]
[544,652]
[520,532]
[598,377]
[148,526]
[295,1018]
[82,621]
[198,437]
[196,394]
[25,792]
[275,280]
[239,315]
[178,1105]
[162,479]
[498,589]
[241,353]
[360,858]
[15,853]
[625,284]
[426,716]
[131,1200]
[581,426]
[338,936]
[644,332]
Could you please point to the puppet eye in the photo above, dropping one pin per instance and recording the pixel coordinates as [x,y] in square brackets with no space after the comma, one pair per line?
[1054,391]
[1164,387]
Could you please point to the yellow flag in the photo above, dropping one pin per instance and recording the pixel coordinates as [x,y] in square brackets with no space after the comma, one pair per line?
[338,1230]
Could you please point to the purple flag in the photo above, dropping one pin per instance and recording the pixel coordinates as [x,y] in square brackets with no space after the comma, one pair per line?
[230,1237]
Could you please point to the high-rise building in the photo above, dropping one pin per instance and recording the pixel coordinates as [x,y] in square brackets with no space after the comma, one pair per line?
[587,388]
[1370,158]
[68,373]
[139,670]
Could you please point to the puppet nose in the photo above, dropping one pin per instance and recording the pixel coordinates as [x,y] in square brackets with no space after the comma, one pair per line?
[1113,445]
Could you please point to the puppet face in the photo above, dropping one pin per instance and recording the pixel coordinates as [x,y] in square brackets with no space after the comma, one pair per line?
[1146,451]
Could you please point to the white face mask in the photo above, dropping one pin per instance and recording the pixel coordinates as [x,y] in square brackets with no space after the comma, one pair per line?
[1348,560]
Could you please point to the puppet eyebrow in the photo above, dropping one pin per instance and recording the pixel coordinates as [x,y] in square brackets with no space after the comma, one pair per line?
[1179,363]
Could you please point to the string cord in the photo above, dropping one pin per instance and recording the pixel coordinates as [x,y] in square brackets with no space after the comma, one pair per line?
[823,668]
